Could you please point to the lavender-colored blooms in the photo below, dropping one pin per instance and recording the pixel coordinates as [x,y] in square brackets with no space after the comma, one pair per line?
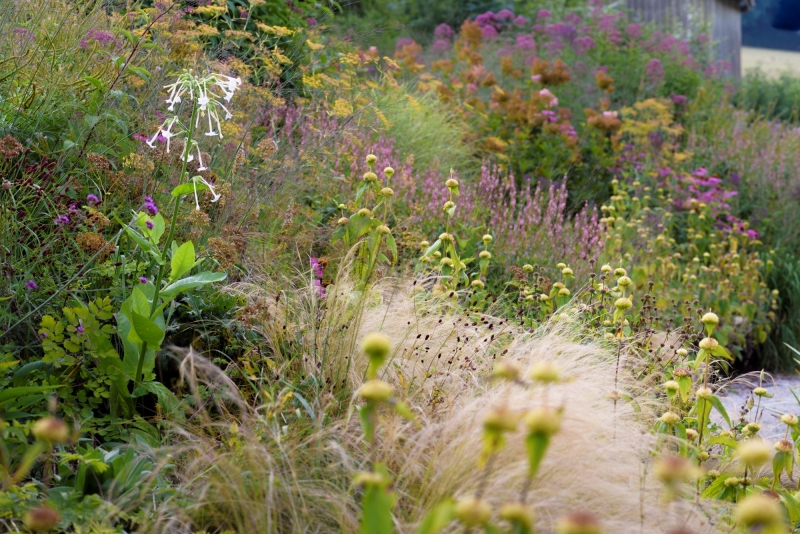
[607,23]
[565,32]
[103,38]
[520,21]
[553,48]
[504,14]
[543,15]
[678,100]
[583,44]
[489,32]
[61,220]
[443,31]
[316,268]
[31,285]
[529,223]
[654,70]
[92,200]
[573,19]
[142,280]
[525,41]
[441,45]
[634,31]
[486,19]
[149,224]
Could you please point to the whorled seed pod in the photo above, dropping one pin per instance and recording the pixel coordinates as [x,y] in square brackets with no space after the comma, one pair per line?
[578,523]
[50,430]
[41,519]
[473,511]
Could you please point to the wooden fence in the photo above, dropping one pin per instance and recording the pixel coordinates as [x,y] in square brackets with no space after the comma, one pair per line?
[723,17]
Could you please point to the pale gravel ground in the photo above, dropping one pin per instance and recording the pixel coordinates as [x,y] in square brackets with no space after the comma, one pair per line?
[736,394]
[772,62]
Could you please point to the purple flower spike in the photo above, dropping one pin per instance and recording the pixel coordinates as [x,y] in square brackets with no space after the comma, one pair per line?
[30,285]
[149,224]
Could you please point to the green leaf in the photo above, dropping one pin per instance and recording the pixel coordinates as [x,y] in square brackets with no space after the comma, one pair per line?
[9,394]
[91,120]
[721,409]
[97,83]
[725,441]
[390,242]
[189,188]
[438,518]
[536,444]
[377,505]
[685,383]
[145,330]
[433,248]
[182,260]
[142,73]
[717,486]
[191,282]
[721,351]
[144,244]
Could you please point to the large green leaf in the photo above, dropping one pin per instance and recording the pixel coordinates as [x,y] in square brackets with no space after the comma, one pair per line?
[189,188]
[190,282]
[145,330]
[182,261]
[10,394]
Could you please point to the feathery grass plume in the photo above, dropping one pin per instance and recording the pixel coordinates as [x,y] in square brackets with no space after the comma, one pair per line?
[440,364]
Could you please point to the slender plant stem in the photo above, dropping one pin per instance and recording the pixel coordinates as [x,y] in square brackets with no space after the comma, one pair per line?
[168,243]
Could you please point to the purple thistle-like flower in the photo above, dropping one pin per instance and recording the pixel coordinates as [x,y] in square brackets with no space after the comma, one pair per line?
[149,224]
[30,285]
[142,279]
[92,200]
[150,206]
[61,220]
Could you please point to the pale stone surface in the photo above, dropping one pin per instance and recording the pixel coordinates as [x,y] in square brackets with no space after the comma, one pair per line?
[772,62]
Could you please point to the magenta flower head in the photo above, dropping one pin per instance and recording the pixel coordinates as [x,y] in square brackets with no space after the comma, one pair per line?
[150,206]
[61,220]
[30,285]
[149,224]
[316,267]
[92,200]
[142,279]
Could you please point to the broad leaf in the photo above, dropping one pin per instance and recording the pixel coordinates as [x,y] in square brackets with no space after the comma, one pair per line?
[182,260]
[190,282]
[145,330]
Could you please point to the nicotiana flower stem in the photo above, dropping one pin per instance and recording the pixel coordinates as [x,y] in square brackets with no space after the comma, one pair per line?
[167,244]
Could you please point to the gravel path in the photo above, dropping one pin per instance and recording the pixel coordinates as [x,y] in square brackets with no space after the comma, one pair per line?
[735,395]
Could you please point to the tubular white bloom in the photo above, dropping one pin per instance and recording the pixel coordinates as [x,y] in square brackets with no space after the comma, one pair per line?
[210,188]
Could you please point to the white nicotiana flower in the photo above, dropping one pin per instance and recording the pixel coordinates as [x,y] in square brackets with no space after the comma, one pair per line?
[204,91]
[200,179]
